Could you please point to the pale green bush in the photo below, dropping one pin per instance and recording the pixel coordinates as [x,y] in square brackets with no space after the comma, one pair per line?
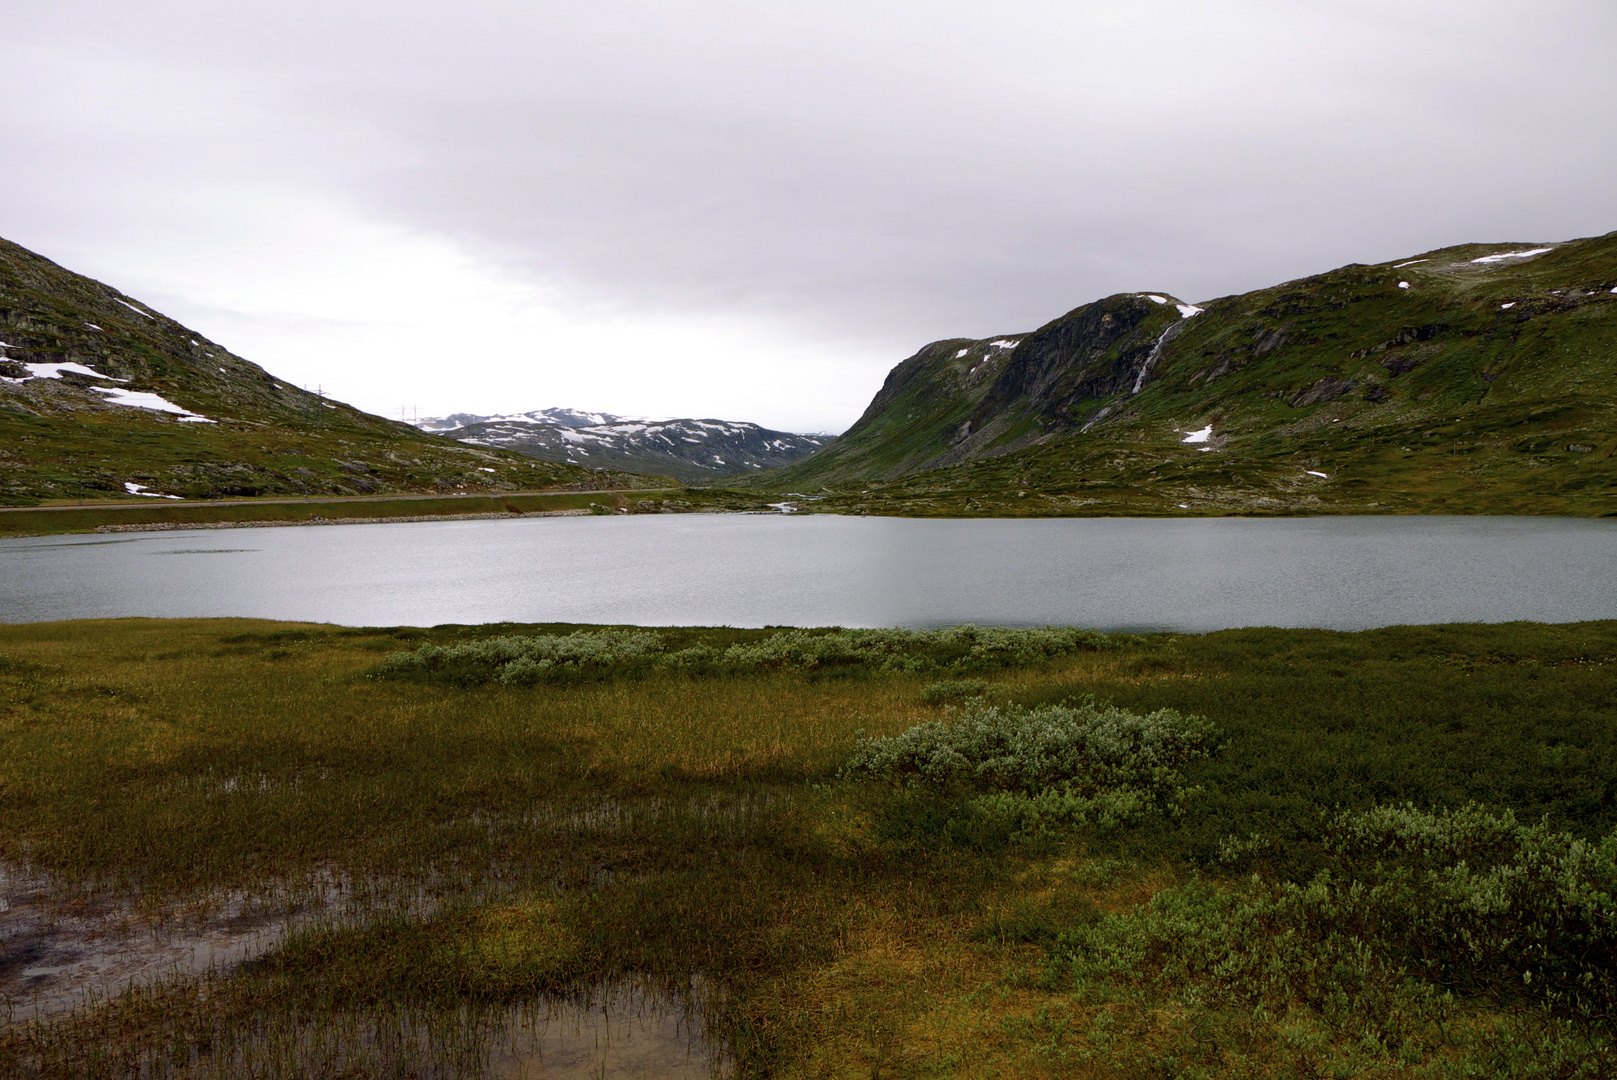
[958,648]
[1029,772]
[519,660]
[1079,748]
[1420,908]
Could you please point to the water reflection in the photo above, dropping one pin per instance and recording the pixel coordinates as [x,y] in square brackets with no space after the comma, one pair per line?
[1190,574]
[622,1032]
[626,1029]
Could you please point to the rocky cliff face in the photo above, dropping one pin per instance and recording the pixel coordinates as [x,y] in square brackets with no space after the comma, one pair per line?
[1059,376]
[959,400]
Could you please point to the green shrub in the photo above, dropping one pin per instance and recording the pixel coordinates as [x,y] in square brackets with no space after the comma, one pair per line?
[522,660]
[1420,908]
[1491,905]
[1078,748]
[956,649]
[596,653]
[1031,771]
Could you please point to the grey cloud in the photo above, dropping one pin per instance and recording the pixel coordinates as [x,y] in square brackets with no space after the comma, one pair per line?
[905,171]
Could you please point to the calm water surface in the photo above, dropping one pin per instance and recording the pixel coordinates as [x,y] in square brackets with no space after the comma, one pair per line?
[1113,573]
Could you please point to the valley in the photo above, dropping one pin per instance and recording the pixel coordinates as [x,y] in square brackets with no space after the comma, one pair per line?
[241,847]
[1473,379]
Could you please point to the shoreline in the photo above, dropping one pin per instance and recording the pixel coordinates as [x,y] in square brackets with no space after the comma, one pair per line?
[154,516]
[171,526]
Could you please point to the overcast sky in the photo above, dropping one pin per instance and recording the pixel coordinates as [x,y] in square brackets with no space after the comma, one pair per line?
[753,210]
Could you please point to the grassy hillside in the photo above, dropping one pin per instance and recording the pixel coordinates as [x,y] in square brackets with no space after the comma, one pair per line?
[62,439]
[1435,383]
[916,419]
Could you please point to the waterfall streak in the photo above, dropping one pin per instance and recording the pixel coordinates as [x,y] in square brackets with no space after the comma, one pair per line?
[1156,351]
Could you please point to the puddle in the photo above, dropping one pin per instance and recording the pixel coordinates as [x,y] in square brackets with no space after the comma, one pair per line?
[60,948]
[56,954]
[621,1032]
[58,951]
[624,1032]
[728,815]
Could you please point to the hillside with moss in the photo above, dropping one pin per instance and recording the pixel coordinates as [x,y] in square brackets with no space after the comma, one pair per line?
[103,398]
[1478,378]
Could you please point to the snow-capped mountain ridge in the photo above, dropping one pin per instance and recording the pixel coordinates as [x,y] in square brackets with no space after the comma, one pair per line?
[690,450]
[573,418]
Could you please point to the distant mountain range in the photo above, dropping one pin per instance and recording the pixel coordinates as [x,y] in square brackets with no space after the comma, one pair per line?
[692,451]
[102,396]
[1476,378]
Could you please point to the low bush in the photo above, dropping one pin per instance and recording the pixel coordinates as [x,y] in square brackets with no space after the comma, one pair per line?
[520,660]
[956,649]
[599,653]
[1081,763]
[1082,747]
[1420,910]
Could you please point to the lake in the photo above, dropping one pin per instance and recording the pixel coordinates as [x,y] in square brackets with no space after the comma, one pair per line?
[1191,574]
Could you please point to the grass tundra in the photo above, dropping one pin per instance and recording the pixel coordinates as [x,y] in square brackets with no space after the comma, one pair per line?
[965,853]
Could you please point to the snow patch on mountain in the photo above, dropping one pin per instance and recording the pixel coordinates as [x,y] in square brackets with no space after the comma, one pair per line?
[134,399]
[692,450]
[136,310]
[1503,255]
[55,371]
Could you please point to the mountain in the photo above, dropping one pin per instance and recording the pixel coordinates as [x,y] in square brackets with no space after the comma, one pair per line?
[691,451]
[561,417]
[103,397]
[1476,378]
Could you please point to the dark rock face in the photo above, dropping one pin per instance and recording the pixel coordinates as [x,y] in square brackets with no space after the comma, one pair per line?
[1225,365]
[1399,365]
[1092,352]
[1270,340]
[1327,389]
[1406,336]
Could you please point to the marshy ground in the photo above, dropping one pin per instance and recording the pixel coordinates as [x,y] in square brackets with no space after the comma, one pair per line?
[231,849]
